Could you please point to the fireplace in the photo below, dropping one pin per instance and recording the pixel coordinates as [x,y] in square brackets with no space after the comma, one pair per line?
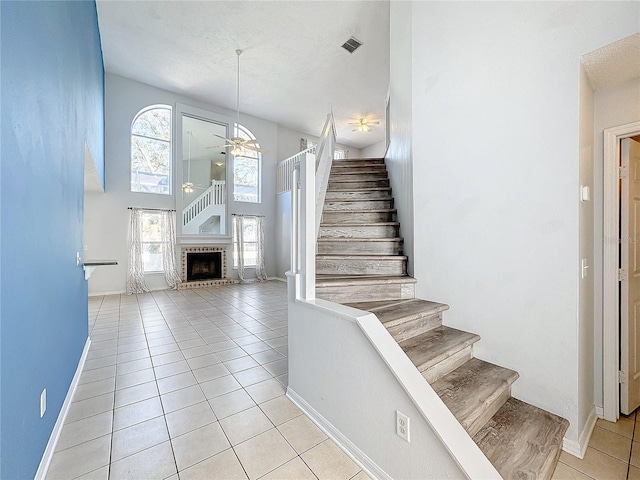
[204,267]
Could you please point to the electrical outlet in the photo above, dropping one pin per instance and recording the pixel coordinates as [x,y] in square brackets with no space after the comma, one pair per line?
[402,426]
[43,402]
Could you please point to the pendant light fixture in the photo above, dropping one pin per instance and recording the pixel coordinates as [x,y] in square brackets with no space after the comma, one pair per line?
[239,144]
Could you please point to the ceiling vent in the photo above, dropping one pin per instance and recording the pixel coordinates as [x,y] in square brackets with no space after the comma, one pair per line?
[352,44]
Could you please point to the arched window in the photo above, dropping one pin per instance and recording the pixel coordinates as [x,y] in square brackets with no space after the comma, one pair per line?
[151,150]
[246,170]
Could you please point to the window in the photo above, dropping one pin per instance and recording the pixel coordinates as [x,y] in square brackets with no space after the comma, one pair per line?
[152,244]
[151,150]
[246,170]
[250,234]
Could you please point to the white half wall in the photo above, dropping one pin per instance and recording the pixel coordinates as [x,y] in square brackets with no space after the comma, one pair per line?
[496,174]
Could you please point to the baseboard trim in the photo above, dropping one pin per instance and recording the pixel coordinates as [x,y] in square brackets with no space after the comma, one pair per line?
[579,448]
[57,428]
[279,279]
[600,412]
[102,294]
[357,455]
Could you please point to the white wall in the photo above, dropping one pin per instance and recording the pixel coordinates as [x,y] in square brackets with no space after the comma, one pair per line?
[613,106]
[496,172]
[377,150]
[399,155]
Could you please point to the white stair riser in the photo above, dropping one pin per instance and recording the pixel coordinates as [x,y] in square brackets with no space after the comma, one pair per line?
[359,217]
[362,194]
[340,294]
[338,205]
[355,184]
[392,247]
[415,326]
[359,231]
[341,266]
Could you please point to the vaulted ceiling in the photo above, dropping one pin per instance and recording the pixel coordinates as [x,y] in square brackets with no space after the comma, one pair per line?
[293,69]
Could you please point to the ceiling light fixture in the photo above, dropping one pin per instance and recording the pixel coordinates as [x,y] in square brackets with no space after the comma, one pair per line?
[364,125]
[187,187]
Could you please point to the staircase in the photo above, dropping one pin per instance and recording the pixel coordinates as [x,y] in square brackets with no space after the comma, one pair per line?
[360,263]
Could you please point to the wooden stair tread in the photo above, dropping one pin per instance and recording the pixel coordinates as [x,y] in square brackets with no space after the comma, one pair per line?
[522,441]
[359,239]
[429,348]
[395,313]
[357,160]
[363,210]
[343,280]
[384,258]
[472,389]
[358,225]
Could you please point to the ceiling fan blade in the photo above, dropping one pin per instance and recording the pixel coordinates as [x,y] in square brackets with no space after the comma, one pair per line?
[219,146]
[255,149]
[373,123]
[250,141]
[230,140]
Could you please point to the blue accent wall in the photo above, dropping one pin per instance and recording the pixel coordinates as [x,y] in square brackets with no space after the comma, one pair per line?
[52,101]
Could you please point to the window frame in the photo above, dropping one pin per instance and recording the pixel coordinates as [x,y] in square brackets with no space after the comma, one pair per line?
[168,142]
[235,243]
[143,242]
[237,128]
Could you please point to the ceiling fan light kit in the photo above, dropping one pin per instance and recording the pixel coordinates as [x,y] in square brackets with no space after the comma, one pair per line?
[363,125]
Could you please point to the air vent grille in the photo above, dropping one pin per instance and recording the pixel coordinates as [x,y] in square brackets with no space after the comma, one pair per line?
[352,44]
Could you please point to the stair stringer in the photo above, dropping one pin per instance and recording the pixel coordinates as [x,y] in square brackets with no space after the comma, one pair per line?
[323,335]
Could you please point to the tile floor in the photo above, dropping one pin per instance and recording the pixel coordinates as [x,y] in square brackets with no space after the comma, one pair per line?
[613,453]
[190,384]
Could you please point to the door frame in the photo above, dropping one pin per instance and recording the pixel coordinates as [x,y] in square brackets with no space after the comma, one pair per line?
[610,285]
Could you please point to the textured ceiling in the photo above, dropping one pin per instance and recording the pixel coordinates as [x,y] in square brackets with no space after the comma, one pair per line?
[293,69]
[615,63]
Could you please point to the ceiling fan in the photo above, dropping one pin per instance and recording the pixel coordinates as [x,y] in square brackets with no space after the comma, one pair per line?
[363,125]
[239,144]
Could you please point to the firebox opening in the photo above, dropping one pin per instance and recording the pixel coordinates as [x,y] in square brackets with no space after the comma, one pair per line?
[204,266]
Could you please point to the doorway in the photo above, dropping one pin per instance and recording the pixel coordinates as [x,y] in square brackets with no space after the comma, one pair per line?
[611,253]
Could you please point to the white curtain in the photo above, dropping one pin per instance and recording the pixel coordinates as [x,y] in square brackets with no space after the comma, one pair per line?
[261,274]
[261,271]
[239,234]
[168,233]
[135,272]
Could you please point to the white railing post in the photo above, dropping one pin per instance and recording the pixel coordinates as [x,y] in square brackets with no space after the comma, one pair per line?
[295,217]
[307,237]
